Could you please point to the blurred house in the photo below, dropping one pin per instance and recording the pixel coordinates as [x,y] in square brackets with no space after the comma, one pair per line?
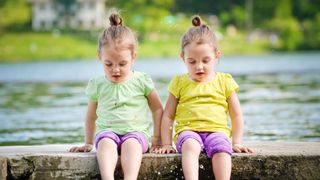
[74,14]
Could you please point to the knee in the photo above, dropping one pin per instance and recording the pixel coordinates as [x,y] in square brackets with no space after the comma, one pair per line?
[106,143]
[131,143]
[191,145]
[221,155]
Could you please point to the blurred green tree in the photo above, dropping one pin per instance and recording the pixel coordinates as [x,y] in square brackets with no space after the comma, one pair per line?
[286,26]
[145,16]
[15,14]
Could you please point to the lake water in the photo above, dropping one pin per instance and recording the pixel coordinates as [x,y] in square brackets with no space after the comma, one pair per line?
[44,102]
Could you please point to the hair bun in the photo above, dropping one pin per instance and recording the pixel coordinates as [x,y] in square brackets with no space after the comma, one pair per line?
[196,21]
[115,20]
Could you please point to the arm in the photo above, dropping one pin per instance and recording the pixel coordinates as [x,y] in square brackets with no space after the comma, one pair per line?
[89,129]
[157,110]
[237,123]
[167,123]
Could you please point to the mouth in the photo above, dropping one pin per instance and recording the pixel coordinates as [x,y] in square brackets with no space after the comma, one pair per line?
[116,76]
[200,73]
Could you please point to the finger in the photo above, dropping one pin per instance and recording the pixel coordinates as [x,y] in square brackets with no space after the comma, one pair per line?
[80,149]
[237,150]
[160,150]
[151,150]
[86,149]
[234,150]
[71,149]
[156,151]
[243,150]
[75,149]
[246,149]
[251,150]
[164,151]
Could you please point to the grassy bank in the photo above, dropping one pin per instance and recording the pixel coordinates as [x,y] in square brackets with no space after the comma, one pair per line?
[16,47]
[32,46]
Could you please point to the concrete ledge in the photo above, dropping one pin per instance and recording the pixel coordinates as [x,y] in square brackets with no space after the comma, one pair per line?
[273,160]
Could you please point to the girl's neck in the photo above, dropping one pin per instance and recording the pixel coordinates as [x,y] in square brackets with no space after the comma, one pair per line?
[208,79]
[128,77]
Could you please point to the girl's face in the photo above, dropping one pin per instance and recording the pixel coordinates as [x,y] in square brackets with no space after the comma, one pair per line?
[200,60]
[117,63]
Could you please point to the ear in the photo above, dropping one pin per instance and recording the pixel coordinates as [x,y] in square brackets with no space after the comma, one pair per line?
[134,56]
[218,54]
[99,56]
[182,56]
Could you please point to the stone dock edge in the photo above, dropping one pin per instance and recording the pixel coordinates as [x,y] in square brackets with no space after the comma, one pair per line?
[272,160]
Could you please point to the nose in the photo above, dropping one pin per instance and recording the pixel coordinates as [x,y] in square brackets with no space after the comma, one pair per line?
[116,69]
[199,66]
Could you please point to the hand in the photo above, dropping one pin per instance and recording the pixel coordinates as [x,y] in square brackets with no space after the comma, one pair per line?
[166,149]
[156,144]
[84,148]
[239,148]
[155,149]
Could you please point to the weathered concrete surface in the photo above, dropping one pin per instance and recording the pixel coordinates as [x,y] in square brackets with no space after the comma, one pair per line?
[3,168]
[272,160]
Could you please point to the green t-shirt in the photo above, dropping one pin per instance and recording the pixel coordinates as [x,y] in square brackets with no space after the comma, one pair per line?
[122,107]
[202,106]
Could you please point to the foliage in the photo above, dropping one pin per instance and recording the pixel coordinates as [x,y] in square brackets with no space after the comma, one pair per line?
[289,31]
[55,45]
[160,24]
[48,46]
[311,29]
[286,26]
[146,16]
[14,14]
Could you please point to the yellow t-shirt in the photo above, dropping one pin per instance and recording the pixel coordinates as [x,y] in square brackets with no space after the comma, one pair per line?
[202,106]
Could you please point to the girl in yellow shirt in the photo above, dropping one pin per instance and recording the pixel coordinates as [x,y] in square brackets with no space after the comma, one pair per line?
[199,102]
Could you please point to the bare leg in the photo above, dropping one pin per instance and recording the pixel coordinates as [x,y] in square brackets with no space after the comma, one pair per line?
[131,156]
[107,155]
[190,158]
[221,166]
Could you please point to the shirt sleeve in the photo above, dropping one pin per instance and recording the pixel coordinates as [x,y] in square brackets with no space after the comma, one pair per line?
[91,90]
[231,85]
[174,87]
[148,84]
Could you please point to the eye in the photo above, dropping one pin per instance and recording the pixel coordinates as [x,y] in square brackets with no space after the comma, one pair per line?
[123,64]
[192,62]
[108,64]
[207,60]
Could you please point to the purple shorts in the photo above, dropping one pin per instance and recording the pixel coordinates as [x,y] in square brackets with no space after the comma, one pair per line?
[119,139]
[210,142]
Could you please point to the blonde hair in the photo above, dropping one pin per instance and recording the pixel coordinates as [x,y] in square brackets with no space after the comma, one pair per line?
[199,34]
[117,35]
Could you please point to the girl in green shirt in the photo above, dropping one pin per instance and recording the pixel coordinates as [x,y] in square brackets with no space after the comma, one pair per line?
[119,105]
